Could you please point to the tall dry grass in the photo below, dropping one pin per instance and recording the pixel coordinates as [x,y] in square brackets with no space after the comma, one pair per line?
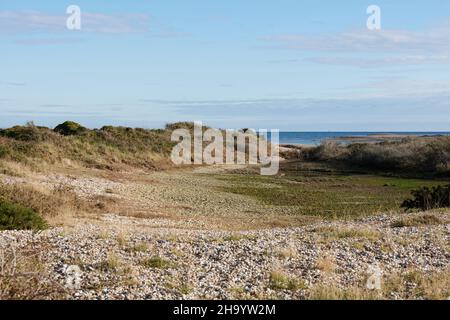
[413,155]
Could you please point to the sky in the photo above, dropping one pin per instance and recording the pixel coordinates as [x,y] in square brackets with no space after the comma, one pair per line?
[287,64]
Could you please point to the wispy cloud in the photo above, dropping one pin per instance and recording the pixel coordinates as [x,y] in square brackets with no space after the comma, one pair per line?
[46,42]
[13,84]
[434,40]
[401,47]
[382,62]
[18,22]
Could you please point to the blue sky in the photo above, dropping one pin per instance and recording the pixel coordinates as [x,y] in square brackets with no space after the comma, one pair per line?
[291,65]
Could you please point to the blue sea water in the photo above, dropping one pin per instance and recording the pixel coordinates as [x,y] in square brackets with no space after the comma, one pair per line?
[316,138]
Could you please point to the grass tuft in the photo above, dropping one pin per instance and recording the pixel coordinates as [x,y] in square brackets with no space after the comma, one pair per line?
[156,262]
[280,281]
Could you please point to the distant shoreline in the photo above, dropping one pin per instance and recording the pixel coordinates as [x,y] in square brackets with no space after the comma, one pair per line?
[316,138]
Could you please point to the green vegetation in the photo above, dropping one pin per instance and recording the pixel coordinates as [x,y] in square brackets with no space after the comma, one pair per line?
[280,281]
[70,128]
[308,189]
[156,262]
[429,198]
[17,217]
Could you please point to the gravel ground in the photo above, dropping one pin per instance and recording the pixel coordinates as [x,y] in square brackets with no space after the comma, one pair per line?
[115,257]
[112,256]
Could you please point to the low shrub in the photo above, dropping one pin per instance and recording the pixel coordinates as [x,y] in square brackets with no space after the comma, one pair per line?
[429,198]
[17,217]
[23,133]
[70,128]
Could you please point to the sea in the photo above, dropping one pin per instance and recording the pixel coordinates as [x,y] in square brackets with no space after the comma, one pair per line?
[316,138]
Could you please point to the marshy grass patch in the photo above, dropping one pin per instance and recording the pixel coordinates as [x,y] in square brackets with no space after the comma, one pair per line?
[322,193]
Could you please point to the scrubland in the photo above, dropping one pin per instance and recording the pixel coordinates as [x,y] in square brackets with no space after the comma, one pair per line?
[109,202]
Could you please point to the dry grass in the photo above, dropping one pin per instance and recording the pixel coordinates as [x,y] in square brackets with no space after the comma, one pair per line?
[139,247]
[58,206]
[111,264]
[414,156]
[286,253]
[334,233]
[326,264]
[417,221]
[107,148]
[415,284]
[23,276]
[46,202]
[323,292]
[411,284]
[122,239]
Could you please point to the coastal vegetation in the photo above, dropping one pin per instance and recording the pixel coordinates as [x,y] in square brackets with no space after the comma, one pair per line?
[413,156]
[114,206]
[330,181]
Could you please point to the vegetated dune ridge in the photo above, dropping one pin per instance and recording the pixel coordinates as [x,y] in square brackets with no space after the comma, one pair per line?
[140,232]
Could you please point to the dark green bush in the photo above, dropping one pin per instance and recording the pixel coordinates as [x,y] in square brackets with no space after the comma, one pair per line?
[70,128]
[22,133]
[17,217]
[429,198]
